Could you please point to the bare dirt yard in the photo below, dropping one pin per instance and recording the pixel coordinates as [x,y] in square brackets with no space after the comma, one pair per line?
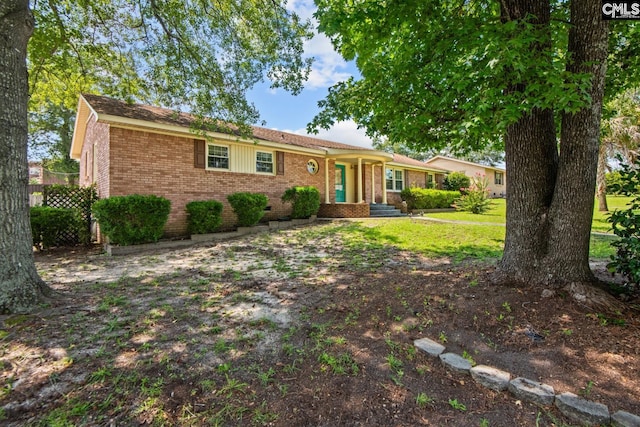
[305,327]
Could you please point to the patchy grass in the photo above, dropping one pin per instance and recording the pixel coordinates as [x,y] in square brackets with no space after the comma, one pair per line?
[301,327]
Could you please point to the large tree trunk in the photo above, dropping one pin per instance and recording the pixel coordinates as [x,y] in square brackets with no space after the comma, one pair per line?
[549,195]
[572,207]
[20,286]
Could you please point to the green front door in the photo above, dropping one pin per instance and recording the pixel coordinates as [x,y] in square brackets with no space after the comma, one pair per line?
[340,181]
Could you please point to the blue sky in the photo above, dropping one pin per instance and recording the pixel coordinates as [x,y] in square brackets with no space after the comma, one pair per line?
[289,113]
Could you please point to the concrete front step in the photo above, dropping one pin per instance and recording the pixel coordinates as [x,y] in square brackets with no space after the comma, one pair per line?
[379,210]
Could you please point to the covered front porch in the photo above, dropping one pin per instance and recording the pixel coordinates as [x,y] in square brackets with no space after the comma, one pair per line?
[353,181]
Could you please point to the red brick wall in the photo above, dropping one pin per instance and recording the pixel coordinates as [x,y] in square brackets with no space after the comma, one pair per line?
[417,179]
[97,136]
[344,210]
[149,163]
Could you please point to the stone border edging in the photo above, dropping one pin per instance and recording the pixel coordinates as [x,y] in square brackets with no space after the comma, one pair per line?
[576,408]
[203,238]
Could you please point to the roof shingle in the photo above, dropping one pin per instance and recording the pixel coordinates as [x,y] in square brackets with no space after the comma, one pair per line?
[114,107]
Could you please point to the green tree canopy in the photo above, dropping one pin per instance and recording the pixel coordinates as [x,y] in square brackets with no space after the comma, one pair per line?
[197,55]
[438,73]
[464,75]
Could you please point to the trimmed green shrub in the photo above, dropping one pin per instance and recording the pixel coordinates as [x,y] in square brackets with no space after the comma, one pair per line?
[248,207]
[475,199]
[49,224]
[204,216]
[455,181]
[132,220]
[305,200]
[626,225]
[427,198]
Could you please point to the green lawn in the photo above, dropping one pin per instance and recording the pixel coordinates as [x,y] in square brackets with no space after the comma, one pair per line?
[478,237]
[457,241]
[498,209]
[600,223]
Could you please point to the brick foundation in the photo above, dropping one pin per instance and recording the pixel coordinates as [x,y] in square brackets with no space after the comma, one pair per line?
[344,210]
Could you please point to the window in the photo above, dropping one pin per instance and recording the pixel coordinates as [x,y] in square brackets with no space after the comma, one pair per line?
[264,162]
[499,178]
[217,156]
[395,179]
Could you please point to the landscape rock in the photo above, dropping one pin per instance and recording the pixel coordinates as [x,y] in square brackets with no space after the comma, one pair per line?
[584,411]
[548,293]
[532,391]
[455,362]
[490,377]
[432,348]
[625,419]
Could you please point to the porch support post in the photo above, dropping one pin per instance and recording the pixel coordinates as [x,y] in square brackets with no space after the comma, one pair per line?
[384,183]
[359,180]
[373,184]
[327,196]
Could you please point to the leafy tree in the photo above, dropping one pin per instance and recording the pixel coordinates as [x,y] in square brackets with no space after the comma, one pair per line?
[199,55]
[620,138]
[51,133]
[528,72]
[626,225]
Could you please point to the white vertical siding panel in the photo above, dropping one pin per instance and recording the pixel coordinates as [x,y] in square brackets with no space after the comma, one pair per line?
[243,159]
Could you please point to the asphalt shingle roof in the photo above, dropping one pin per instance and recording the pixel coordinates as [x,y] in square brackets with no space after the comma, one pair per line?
[114,107]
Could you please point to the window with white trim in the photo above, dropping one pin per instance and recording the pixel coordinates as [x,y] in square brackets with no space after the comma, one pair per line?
[264,162]
[395,179]
[217,156]
[499,178]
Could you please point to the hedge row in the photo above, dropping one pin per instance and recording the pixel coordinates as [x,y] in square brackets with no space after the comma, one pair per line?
[426,198]
[136,219]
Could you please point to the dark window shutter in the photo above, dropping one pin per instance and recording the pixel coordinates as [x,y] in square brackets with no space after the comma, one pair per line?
[280,162]
[199,154]
[406,178]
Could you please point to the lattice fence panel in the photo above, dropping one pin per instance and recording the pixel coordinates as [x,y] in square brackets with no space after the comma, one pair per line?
[71,197]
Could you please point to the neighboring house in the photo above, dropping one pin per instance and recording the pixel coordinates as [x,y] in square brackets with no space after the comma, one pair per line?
[139,149]
[496,177]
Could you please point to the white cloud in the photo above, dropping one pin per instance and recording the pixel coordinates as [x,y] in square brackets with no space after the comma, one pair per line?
[346,132]
[304,8]
[328,66]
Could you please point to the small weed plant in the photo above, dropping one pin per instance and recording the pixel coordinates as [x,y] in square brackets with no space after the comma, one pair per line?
[423,400]
[457,405]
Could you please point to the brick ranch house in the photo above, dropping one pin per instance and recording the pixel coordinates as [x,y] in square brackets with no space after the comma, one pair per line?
[139,149]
